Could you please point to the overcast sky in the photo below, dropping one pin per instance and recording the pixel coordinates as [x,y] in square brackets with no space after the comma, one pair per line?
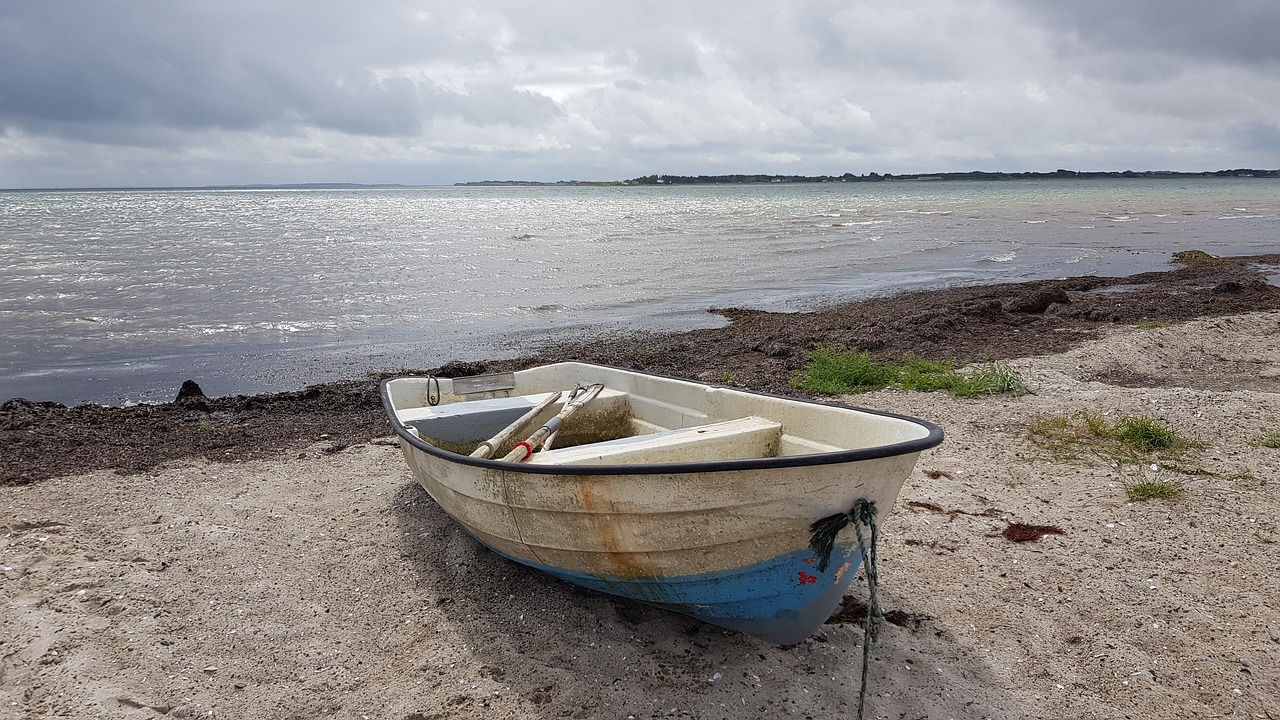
[158,92]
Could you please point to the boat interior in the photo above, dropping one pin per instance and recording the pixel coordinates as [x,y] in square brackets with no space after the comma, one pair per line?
[635,419]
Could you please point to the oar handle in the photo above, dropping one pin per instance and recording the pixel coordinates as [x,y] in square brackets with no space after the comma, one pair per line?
[578,397]
[525,448]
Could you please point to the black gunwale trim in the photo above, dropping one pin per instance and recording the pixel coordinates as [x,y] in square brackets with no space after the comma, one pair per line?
[933,439]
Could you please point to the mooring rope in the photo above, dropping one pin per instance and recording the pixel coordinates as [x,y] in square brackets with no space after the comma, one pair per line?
[822,541]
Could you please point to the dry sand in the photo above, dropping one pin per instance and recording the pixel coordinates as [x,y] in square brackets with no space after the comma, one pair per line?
[327,584]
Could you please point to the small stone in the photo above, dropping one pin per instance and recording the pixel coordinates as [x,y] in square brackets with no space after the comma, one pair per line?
[190,390]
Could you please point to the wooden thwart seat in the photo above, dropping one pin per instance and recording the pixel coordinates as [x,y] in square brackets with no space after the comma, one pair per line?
[748,437]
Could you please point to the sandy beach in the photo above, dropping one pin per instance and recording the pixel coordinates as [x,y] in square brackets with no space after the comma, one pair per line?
[319,580]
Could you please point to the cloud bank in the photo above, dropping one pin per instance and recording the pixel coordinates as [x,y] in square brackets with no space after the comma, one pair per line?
[231,91]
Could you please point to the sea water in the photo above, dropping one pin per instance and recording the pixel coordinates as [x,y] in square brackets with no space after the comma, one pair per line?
[118,295]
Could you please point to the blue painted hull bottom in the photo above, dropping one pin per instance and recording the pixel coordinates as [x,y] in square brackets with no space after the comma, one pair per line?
[783,600]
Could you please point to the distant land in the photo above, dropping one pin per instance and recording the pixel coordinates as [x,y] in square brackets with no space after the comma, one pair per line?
[887,177]
[759,179]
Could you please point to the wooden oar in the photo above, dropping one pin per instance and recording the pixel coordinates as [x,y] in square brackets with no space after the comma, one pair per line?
[546,444]
[487,448]
[525,448]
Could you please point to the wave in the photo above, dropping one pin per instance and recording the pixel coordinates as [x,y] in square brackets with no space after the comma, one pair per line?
[547,308]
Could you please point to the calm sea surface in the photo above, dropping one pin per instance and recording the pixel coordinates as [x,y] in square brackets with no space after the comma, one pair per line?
[117,296]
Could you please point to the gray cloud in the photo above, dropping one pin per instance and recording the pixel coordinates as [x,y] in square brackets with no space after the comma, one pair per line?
[1234,31]
[411,91]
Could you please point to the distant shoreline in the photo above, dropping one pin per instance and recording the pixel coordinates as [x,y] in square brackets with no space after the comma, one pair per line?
[765,179]
[735,179]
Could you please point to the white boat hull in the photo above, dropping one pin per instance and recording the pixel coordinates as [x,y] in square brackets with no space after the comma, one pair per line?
[707,511]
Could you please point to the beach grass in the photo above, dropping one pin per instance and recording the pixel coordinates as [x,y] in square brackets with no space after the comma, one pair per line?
[838,369]
[993,378]
[1144,434]
[1127,439]
[1154,490]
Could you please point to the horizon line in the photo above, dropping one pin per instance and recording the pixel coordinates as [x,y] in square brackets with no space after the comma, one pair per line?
[942,176]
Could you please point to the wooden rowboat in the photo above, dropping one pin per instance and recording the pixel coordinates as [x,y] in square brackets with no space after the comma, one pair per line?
[695,498]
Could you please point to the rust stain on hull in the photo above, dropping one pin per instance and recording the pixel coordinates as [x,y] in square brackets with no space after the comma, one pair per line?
[599,510]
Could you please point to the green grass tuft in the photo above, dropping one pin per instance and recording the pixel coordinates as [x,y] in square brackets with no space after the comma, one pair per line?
[921,375]
[1154,490]
[992,378]
[1129,439]
[1145,434]
[837,369]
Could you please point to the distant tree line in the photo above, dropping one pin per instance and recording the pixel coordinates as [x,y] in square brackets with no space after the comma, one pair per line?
[975,175]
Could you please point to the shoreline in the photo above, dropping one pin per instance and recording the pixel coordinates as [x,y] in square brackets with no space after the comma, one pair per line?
[757,350]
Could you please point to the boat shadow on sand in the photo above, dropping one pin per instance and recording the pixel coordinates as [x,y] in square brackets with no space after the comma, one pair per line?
[518,639]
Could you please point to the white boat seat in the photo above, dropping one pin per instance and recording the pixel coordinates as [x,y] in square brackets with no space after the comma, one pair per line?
[748,437]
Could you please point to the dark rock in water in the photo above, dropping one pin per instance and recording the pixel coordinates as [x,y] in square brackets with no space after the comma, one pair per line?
[190,390]
[1037,301]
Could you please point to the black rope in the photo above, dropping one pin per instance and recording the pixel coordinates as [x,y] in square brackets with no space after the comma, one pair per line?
[822,538]
[433,381]
[822,541]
